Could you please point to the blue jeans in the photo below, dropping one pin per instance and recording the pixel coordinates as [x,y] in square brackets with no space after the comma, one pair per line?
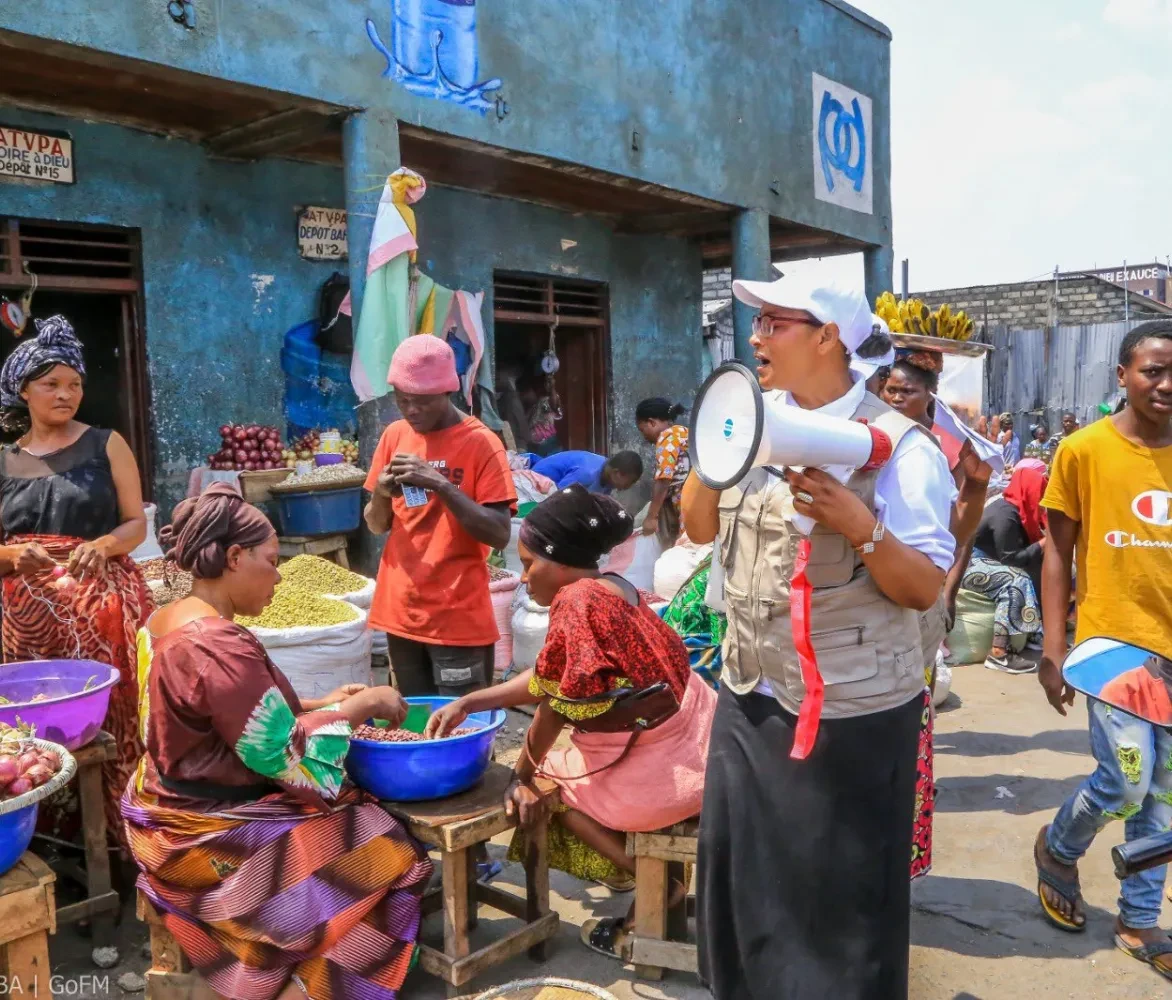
[1133,782]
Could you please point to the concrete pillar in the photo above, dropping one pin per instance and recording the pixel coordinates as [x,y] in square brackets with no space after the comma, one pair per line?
[370,151]
[878,272]
[750,261]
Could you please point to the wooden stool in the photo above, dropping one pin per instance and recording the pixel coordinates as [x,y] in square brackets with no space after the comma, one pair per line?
[27,918]
[170,976]
[659,940]
[454,826]
[100,896]
[327,546]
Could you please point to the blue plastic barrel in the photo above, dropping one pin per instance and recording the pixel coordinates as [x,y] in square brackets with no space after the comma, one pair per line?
[16,833]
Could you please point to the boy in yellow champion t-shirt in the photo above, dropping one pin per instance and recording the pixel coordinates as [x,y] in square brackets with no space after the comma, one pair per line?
[1110,505]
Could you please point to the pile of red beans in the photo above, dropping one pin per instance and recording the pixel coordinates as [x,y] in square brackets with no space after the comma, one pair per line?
[400,735]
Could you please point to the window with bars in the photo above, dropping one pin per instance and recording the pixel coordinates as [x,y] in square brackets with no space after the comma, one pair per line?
[524,298]
[68,254]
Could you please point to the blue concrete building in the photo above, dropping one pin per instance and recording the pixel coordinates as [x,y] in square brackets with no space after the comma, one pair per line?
[584,161]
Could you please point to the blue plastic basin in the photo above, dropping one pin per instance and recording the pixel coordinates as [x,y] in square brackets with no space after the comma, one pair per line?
[432,769]
[16,833]
[324,512]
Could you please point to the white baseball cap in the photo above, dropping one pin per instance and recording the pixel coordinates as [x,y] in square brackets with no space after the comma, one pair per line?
[845,307]
[869,366]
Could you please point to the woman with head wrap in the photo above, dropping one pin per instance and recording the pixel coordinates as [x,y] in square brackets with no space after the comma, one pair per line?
[277,877]
[602,638]
[1006,567]
[1041,445]
[70,500]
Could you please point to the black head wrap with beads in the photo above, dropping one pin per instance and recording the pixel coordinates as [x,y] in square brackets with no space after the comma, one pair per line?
[575,527]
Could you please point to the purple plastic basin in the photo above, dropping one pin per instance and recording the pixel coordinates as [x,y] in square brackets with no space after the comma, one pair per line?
[68,714]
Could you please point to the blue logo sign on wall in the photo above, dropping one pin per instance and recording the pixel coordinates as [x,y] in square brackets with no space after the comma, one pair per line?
[728,427]
[842,145]
[434,51]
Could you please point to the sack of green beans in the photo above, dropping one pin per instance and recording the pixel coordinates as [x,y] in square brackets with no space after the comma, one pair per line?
[327,579]
[319,643]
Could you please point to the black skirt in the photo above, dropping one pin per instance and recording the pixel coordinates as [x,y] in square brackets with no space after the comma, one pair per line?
[804,889]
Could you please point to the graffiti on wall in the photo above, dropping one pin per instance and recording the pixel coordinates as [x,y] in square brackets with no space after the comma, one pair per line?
[434,51]
[842,145]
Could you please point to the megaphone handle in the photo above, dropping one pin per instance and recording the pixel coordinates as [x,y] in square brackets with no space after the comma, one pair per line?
[810,714]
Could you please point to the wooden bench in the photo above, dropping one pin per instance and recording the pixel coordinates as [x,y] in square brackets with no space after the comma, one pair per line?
[326,546]
[28,915]
[659,938]
[455,827]
[100,896]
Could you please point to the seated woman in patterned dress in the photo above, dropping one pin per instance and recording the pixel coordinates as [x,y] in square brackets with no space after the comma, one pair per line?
[277,877]
[602,637]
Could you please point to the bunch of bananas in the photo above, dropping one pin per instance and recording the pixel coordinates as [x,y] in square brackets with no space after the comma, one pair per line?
[914,316]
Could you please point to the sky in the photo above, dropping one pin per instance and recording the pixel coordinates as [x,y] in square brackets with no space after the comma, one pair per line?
[1025,134]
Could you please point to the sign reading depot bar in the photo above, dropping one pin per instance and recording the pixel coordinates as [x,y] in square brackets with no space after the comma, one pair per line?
[321,233]
[36,155]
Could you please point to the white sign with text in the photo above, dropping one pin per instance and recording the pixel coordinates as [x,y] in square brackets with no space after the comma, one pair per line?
[36,156]
[321,233]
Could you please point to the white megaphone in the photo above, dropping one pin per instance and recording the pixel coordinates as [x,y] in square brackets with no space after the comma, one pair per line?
[735,429]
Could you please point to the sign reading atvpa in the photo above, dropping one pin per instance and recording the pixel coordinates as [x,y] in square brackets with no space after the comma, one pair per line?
[38,155]
[321,233]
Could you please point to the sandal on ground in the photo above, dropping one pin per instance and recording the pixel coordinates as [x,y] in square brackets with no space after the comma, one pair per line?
[606,935]
[619,882]
[1148,953]
[1068,889]
[1011,663]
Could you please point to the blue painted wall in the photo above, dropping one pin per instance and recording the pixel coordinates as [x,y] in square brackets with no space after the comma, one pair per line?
[223,281]
[720,92]
[222,277]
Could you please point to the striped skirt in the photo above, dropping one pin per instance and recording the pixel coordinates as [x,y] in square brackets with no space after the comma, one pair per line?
[266,891]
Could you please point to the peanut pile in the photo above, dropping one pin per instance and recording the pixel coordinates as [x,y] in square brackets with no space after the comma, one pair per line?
[379,735]
[340,476]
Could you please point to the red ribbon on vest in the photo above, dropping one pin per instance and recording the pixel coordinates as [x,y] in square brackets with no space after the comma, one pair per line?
[810,713]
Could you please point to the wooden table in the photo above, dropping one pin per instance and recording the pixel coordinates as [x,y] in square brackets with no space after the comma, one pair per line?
[100,895]
[27,918]
[327,546]
[454,827]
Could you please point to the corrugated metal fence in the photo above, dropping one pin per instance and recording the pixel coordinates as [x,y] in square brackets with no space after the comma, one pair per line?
[1046,372]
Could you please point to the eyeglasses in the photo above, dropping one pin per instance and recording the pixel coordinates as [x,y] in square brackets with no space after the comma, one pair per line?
[766,326]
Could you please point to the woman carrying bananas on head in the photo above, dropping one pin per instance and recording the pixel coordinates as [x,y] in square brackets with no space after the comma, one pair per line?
[806,827]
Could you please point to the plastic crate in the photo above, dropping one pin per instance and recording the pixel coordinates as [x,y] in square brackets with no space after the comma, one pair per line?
[322,512]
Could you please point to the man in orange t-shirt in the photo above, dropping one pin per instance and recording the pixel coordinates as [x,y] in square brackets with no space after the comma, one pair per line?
[1144,691]
[441,487]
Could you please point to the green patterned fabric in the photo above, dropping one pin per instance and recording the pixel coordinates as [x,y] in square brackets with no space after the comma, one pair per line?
[266,746]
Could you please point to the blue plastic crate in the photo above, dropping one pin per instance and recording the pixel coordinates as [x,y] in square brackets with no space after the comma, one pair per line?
[322,512]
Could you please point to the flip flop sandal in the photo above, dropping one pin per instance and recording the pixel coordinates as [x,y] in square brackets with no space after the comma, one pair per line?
[619,883]
[606,936]
[1068,889]
[1148,953]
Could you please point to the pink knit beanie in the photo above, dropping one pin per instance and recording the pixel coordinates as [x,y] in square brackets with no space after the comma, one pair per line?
[424,365]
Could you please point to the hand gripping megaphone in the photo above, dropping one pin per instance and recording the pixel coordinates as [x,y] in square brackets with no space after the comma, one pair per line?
[735,429]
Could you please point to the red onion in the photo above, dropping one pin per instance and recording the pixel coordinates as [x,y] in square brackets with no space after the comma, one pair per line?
[239,434]
[9,771]
[52,760]
[225,430]
[250,466]
[27,760]
[240,456]
[66,584]
[19,787]
[38,774]
[253,454]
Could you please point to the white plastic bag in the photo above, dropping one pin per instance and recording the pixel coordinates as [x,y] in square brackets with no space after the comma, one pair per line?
[641,571]
[530,626]
[673,568]
[318,659]
[512,558]
[149,549]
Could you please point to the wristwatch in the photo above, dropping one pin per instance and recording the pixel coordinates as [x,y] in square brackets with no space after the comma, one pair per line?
[876,537]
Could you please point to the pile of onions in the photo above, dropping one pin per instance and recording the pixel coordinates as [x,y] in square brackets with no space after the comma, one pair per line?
[23,767]
[247,448]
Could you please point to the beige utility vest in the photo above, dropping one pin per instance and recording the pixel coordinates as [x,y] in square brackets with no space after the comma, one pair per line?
[868,648]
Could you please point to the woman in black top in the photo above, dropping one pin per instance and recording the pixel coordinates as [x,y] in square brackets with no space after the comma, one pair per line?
[1006,566]
[70,513]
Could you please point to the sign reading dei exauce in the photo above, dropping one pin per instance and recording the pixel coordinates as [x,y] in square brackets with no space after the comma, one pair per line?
[36,155]
[321,233]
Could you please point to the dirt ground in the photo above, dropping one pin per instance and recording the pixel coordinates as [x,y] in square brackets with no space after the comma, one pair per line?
[1004,762]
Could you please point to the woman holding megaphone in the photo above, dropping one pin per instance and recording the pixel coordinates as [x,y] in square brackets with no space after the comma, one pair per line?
[806,828]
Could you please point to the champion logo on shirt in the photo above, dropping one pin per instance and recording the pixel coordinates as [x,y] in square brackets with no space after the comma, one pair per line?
[1153,507]
[1127,540]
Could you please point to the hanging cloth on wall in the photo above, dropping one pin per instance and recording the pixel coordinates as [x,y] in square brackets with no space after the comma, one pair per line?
[386,318]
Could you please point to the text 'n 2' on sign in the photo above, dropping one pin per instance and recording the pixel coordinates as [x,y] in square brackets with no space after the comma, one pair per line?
[36,155]
[321,233]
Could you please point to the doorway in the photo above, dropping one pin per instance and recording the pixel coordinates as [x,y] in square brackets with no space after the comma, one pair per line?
[90,275]
[533,315]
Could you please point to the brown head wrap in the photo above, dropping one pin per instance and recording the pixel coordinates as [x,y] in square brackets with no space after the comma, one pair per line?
[203,528]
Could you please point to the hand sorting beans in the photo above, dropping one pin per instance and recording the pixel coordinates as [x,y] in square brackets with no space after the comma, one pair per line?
[380,735]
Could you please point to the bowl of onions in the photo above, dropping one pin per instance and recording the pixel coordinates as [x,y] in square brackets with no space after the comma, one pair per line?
[30,770]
